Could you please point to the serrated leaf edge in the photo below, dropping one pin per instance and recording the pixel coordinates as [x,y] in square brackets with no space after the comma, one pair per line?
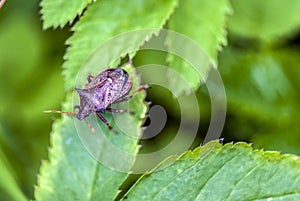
[215,145]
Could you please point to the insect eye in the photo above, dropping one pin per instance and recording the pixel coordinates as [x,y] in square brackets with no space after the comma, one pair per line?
[125,72]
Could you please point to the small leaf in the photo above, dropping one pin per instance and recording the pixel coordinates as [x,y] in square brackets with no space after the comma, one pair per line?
[204,22]
[72,172]
[59,12]
[217,172]
[265,20]
[106,19]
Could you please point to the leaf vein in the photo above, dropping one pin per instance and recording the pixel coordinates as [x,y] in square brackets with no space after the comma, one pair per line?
[242,179]
[212,176]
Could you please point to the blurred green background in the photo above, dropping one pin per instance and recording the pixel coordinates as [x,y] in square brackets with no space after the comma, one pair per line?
[260,68]
[31,81]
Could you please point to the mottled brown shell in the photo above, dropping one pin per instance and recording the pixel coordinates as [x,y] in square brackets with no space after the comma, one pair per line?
[103,90]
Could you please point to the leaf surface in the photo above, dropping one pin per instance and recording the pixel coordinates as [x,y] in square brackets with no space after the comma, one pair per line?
[217,172]
[104,20]
[57,13]
[204,22]
[82,165]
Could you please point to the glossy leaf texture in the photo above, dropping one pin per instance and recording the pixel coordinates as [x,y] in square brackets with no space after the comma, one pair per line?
[222,172]
[266,21]
[207,29]
[72,172]
[57,13]
[106,19]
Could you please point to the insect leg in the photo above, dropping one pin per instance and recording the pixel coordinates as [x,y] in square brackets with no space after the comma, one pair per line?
[118,111]
[104,120]
[76,107]
[123,99]
[89,125]
[90,78]
[1,3]
[115,110]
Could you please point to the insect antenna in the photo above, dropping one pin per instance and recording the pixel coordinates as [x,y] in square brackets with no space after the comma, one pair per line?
[60,112]
[72,114]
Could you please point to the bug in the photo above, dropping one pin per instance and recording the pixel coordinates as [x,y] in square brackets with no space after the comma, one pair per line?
[110,86]
[2,3]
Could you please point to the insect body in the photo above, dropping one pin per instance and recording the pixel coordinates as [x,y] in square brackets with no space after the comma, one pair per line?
[110,86]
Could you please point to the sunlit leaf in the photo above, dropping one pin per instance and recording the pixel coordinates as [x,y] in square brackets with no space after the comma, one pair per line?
[72,172]
[59,12]
[106,19]
[217,172]
[204,22]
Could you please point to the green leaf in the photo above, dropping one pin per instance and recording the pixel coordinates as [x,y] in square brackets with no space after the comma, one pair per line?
[217,172]
[265,20]
[106,19]
[204,22]
[59,12]
[73,173]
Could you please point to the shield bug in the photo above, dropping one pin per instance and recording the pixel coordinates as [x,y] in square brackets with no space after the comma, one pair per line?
[110,86]
[2,3]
